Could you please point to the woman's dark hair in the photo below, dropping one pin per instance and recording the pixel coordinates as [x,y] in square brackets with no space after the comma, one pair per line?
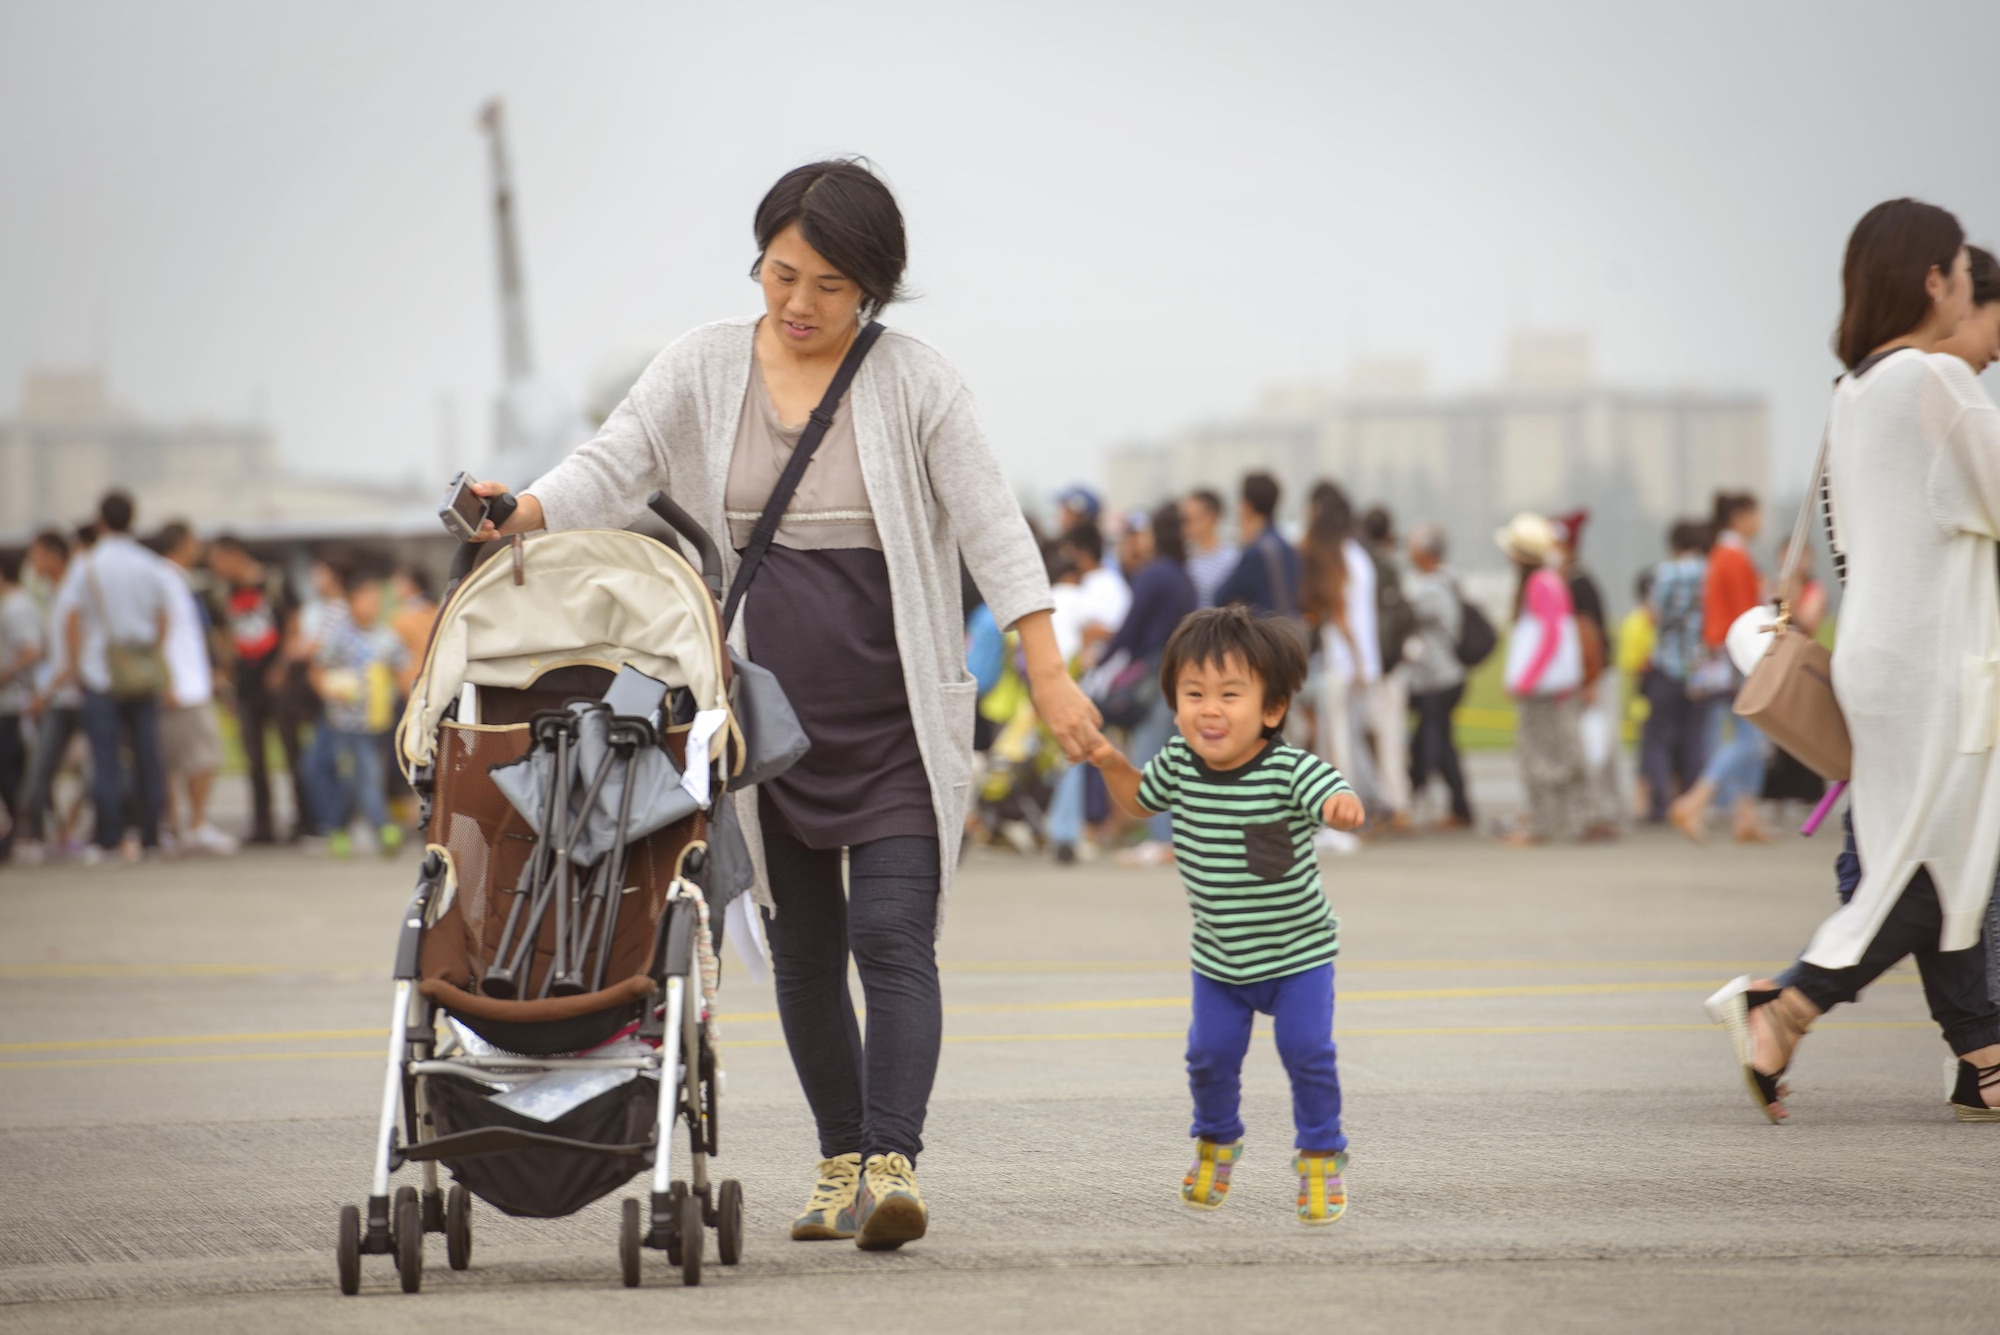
[1323,558]
[1891,251]
[1169,544]
[847,214]
[1261,492]
[1729,504]
[1985,271]
[1211,637]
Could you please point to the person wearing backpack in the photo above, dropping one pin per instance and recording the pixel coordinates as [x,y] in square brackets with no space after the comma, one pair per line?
[1436,676]
[1387,702]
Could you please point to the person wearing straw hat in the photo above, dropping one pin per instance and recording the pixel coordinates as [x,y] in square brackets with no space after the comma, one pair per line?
[1545,676]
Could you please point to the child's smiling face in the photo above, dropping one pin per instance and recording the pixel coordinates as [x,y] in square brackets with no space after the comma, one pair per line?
[1221,711]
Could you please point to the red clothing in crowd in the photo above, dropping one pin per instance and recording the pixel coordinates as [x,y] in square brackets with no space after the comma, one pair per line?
[1733,588]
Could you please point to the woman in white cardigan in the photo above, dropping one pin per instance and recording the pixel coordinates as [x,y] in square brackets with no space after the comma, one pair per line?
[1913,506]
[855,609]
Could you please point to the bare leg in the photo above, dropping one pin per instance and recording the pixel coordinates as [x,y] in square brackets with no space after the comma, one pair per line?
[1689,812]
[199,786]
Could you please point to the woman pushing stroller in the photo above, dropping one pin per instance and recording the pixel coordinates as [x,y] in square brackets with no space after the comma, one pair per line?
[855,610]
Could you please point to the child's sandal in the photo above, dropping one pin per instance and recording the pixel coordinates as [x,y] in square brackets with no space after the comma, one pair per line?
[1206,1185]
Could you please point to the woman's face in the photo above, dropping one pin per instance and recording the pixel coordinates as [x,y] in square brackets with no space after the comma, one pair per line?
[1952,293]
[1978,338]
[811,305]
[1748,522]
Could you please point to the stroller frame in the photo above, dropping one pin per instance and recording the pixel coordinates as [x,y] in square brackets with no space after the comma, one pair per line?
[683,1062]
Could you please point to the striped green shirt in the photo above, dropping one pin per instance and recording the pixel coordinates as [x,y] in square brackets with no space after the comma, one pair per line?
[1244,842]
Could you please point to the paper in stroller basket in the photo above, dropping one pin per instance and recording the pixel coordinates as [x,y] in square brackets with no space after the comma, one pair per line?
[548,1096]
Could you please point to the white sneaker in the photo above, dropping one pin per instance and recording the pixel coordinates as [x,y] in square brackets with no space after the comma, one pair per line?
[29,853]
[91,856]
[170,843]
[1341,842]
[207,839]
[1151,853]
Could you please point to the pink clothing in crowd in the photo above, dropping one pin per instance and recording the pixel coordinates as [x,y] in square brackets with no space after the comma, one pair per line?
[1548,603]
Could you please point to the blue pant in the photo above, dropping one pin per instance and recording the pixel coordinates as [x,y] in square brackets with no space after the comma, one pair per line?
[1301,1008]
[351,779]
[113,726]
[1737,767]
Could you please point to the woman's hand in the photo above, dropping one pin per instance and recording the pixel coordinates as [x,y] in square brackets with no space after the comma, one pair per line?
[1062,705]
[527,516]
[1068,713]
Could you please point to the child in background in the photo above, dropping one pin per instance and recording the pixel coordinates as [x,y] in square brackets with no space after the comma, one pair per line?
[1245,807]
[354,673]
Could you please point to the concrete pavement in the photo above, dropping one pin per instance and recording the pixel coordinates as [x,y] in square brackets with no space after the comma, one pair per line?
[1547,1135]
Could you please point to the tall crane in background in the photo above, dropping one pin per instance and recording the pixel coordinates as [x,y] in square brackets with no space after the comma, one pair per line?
[533,424]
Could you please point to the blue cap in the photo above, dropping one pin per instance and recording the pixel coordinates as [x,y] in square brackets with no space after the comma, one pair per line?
[1080,497]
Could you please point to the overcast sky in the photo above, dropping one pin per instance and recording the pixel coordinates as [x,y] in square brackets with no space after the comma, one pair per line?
[1124,218]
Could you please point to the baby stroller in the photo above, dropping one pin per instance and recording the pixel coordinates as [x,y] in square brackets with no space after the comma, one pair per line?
[568,737]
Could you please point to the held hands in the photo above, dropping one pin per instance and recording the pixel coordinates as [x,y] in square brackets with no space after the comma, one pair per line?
[1066,710]
[1343,812]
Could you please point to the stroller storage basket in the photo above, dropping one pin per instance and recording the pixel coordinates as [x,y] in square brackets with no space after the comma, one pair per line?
[553,1182]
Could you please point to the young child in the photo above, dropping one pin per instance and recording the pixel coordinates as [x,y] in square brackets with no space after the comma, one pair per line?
[1245,808]
[354,667]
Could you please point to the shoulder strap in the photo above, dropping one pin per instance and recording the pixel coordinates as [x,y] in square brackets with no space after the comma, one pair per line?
[795,470]
[1795,554]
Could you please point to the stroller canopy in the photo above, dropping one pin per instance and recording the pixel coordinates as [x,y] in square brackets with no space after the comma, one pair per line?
[587,597]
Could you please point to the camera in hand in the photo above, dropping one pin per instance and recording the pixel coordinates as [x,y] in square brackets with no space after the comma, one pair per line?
[464,509]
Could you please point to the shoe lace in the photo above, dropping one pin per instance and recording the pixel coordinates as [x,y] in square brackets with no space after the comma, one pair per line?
[891,1172]
[836,1185]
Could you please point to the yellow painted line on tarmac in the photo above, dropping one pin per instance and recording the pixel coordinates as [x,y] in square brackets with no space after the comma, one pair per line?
[1006,1008]
[88,969]
[102,970]
[1098,1036]
[1350,966]
[179,1040]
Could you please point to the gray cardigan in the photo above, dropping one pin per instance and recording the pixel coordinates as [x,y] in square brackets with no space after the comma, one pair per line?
[932,482]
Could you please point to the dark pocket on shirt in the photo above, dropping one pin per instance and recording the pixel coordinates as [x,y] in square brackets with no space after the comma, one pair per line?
[1267,847]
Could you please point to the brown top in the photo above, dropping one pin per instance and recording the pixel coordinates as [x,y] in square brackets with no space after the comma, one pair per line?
[830,508]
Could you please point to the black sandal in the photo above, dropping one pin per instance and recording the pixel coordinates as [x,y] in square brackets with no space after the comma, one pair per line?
[1968,1102]
[1730,1007]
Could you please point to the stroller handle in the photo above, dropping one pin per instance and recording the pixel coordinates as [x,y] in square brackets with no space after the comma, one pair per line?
[681,522]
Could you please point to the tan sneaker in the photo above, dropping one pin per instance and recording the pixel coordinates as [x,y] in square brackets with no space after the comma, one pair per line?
[829,1213]
[891,1209]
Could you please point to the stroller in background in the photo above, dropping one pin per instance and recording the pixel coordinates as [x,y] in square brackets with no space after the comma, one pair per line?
[568,734]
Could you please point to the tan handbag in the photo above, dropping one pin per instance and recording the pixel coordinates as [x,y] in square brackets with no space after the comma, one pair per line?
[1789,694]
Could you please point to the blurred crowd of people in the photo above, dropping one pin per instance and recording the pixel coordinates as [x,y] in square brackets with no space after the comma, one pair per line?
[128,665]
[1389,630]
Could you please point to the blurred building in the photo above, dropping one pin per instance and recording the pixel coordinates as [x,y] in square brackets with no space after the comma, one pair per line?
[1549,437]
[71,442]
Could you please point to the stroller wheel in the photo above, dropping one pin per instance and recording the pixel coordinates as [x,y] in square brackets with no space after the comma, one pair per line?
[677,1196]
[691,1239]
[729,1222]
[409,1240]
[458,1228]
[396,1201]
[347,1249]
[629,1233]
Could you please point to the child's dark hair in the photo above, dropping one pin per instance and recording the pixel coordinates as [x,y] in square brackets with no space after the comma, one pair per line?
[1268,647]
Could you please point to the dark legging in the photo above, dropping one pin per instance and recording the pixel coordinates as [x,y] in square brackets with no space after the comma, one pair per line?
[1434,748]
[866,1098]
[1954,980]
